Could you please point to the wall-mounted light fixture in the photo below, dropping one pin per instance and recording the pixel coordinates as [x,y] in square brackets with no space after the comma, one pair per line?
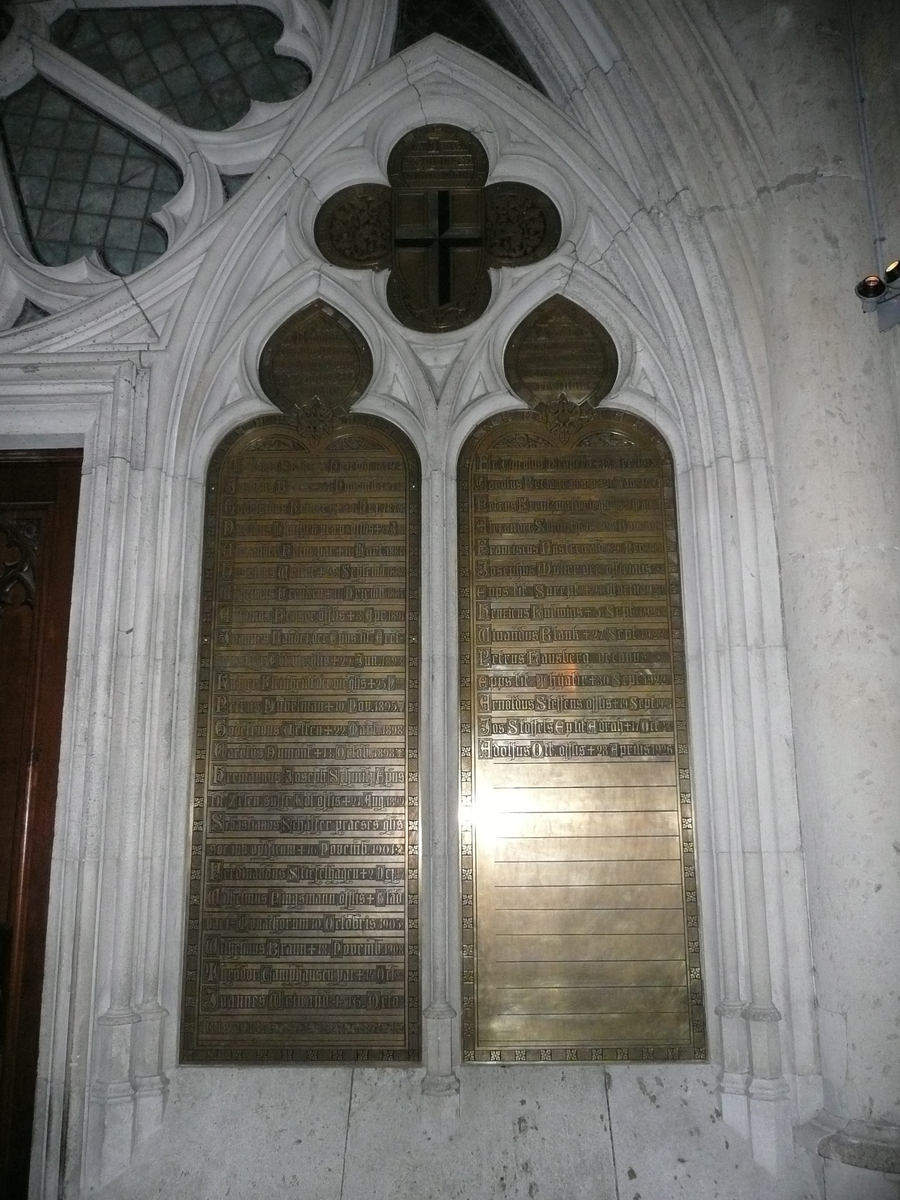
[882,296]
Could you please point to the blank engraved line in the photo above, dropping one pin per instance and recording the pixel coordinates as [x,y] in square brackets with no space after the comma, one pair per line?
[556,862]
[581,837]
[539,961]
[606,1013]
[530,886]
[612,1012]
[572,787]
[531,962]
[573,812]
[569,837]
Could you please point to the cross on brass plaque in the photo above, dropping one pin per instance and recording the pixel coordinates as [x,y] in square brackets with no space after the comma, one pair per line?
[434,250]
[438,228]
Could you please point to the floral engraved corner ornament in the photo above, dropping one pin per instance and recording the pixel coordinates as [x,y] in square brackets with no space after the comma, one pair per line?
[562,417]
[314,367]
[438,228]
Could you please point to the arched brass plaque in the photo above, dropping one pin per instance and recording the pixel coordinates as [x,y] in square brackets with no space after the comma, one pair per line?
[580,929]
[302,938]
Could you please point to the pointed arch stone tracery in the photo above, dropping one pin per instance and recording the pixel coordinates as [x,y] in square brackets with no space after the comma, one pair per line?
[676,381]
[651,276]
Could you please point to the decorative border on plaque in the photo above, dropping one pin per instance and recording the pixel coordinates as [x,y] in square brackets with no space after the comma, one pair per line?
[577,426]
[329,920]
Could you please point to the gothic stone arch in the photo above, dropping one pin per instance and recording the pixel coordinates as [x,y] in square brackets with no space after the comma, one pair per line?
[151,422]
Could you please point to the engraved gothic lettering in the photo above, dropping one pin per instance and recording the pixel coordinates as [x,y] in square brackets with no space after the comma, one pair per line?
[580,928]
[302,939]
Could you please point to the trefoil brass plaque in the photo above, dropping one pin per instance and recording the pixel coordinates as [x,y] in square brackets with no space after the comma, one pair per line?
[580,929]
[302,927]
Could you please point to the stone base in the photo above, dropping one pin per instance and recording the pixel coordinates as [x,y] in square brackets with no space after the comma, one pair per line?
[856,1161]
[865,1145]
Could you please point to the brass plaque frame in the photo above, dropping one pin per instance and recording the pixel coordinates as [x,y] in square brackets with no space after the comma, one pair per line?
[302,906]
[580,925]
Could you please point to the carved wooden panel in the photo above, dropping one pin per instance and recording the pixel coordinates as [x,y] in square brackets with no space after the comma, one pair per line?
[38,511]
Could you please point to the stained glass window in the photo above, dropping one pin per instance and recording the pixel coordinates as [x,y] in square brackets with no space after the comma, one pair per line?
[83,183]
[86,185]
[199,66]
[469,22]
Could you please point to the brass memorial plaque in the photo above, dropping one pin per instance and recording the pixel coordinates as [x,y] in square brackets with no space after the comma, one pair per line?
[438,228]
[302,942]
[315,365]
[561,352]
[580,931]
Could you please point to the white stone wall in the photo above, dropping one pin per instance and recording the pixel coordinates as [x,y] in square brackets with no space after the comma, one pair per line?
[706,164]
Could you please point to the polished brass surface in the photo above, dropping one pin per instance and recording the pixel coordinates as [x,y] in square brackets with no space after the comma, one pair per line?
[522,225]
[438,228]
[302,940]
[580,928]
[560,350]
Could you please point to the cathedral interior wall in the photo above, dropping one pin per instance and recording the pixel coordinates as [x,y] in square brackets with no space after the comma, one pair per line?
[717,205]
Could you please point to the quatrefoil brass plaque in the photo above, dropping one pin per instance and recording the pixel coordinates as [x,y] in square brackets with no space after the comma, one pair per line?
[438,228]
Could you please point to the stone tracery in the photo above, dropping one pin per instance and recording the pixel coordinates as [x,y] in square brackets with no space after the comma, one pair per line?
[646,263]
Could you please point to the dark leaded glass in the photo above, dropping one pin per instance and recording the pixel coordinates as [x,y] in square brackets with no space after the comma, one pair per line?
[29,313]
[232,184]
[83,184]
[469,22]
[199,66]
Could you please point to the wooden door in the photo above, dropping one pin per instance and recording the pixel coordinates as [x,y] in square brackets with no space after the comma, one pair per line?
[38,510]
